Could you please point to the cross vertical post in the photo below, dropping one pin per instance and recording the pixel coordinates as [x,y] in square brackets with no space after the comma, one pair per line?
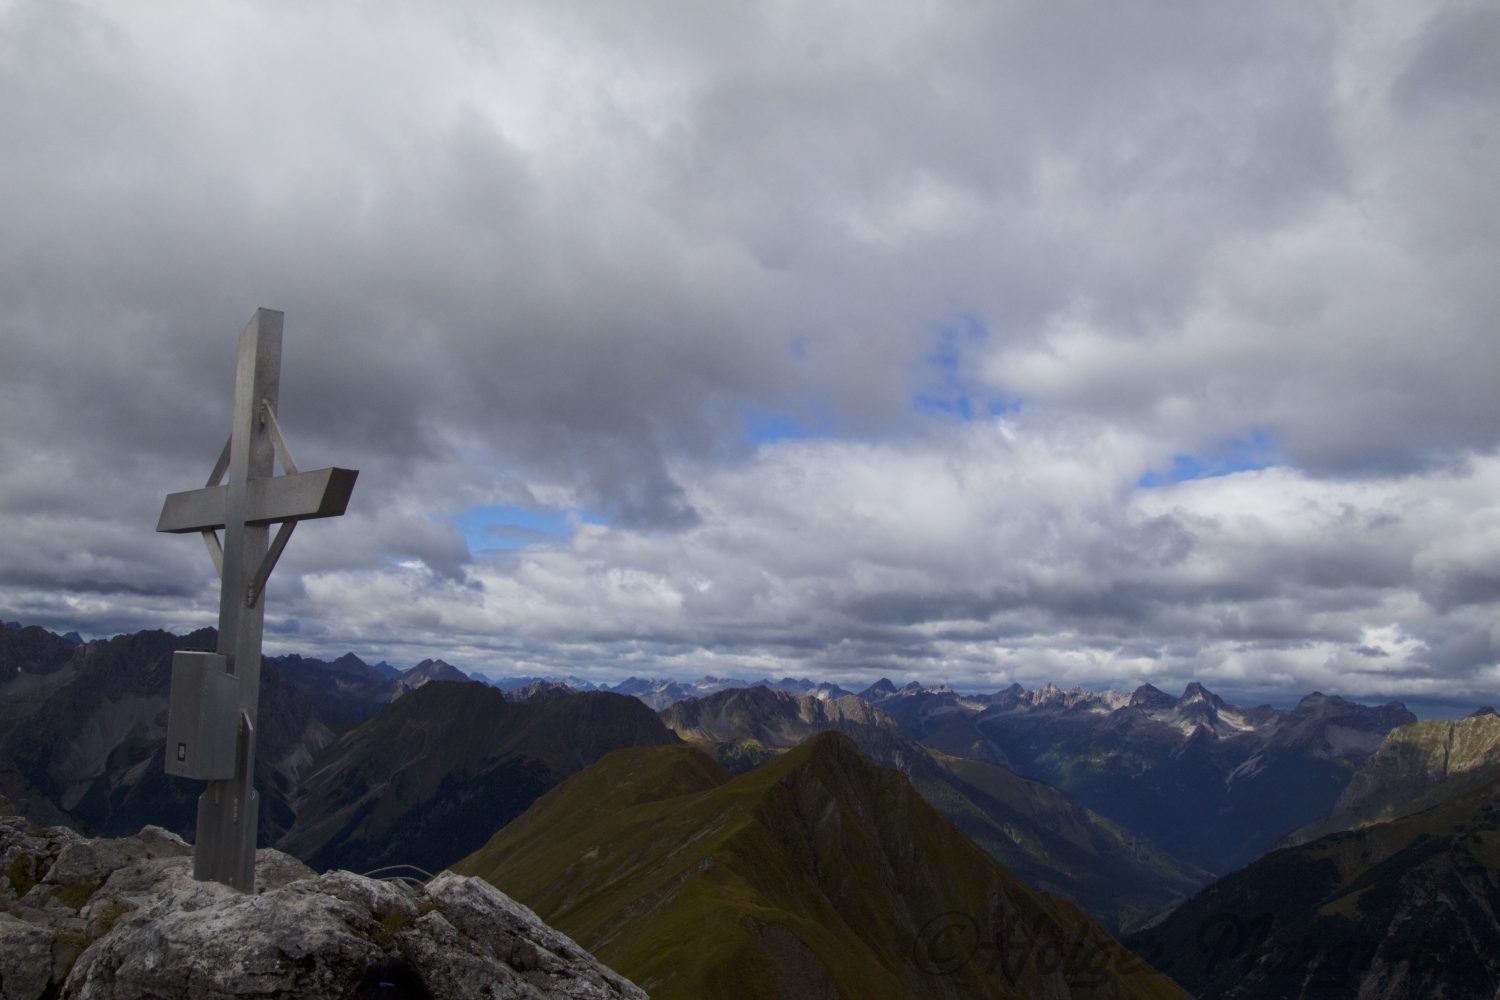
[215,704]
[229,810]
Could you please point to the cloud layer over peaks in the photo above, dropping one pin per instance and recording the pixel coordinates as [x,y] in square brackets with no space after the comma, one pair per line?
[971,343]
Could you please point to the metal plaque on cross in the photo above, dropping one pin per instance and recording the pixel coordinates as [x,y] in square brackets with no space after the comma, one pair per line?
[214,702]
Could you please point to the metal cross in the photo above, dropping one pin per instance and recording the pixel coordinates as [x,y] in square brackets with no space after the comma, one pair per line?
[215,698]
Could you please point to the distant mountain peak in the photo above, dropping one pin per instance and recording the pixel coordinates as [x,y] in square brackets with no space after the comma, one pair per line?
[385,670]
[1196,692]
[426,671]
[1478,712]
[1150,696]
[349,663]
[882,688]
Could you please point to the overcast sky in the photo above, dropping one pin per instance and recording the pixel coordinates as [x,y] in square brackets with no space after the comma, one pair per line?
[1073,342]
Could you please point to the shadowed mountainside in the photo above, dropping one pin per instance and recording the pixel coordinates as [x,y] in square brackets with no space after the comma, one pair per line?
[345,691]
[1212,783]
[441,768]
[92,748]
[1401,910]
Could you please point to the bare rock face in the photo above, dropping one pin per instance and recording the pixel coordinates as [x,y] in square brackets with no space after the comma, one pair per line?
[118,919]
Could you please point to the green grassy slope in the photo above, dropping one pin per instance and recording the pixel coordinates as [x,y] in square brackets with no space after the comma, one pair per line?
[817,875]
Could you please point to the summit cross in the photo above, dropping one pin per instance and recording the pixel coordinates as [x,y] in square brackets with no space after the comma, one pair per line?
[215,697]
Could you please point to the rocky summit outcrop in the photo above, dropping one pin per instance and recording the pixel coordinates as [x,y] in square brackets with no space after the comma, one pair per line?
[122,919]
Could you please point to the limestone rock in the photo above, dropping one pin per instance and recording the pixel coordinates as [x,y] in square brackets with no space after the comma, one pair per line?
[117,919]
[25,959]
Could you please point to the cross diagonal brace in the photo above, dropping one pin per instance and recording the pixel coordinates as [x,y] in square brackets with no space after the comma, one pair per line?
[278,544]
[277,441]
[215,550]
[221,466]
[211,535]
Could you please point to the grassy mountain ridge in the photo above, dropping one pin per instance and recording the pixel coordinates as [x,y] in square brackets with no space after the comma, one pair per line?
[814,875]
[1037,832]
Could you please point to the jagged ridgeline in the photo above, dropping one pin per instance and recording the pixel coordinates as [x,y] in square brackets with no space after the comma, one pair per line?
[1213,784]
[818,874]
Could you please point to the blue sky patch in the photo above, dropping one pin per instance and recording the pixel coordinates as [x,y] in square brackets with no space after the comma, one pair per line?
[764,426]
[1256,450]
[943,385]
[490,528]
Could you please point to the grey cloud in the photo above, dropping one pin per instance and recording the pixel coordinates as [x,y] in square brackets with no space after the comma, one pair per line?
[554,258]
[1452,57]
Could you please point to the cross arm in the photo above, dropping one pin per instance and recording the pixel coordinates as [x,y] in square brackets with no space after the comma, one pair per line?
[300,496]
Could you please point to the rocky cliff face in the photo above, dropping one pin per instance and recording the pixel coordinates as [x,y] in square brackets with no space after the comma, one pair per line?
[770,718]
[1417,766]
[1416,757]
[123,919]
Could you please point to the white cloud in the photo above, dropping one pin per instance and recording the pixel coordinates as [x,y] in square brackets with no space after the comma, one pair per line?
[554,255]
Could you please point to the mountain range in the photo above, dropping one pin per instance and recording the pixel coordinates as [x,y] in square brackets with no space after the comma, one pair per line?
[819,874]
[348,690]
[1120,803]
[1212,783]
